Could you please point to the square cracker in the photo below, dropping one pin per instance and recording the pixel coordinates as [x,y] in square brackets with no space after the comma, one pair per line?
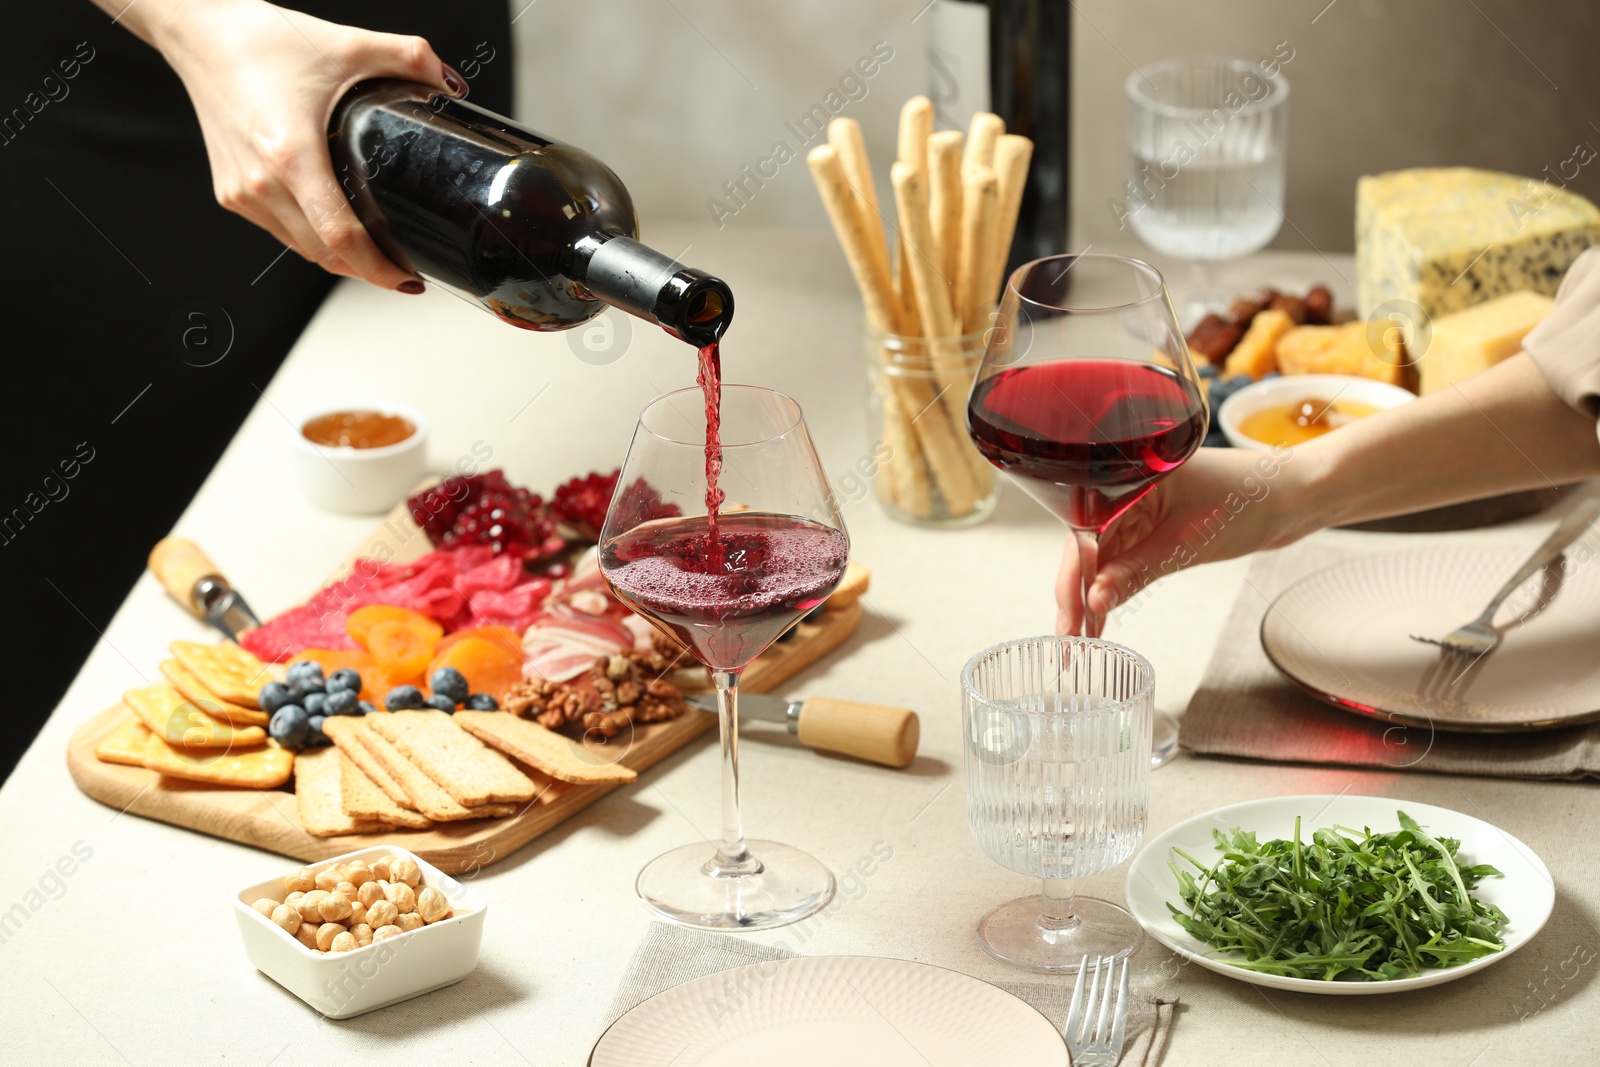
[224,669]
[541,749]
[125,744]
[264,767]
[184,681]
[345,731]
[424,792]
[362,799]
[317,794]
[182,725]
[469,770]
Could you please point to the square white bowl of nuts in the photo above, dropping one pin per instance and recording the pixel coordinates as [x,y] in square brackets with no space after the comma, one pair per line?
[361,931]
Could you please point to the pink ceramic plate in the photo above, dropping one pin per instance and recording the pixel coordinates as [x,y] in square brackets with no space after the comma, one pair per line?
[1343,635]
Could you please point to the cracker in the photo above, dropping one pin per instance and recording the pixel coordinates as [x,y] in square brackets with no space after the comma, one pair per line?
[424,792]
[184,681]
[470,771]
[225,669]
[317,794]
[541,749]
[361,798]
[343,730]
[180,724]
[125,744]
[263,767]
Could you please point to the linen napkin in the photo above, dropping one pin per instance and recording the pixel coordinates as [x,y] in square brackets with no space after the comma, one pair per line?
[670,955]
[1244,707]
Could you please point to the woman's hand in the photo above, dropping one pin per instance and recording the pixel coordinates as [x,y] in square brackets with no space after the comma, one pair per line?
[1223,503]
[264,81]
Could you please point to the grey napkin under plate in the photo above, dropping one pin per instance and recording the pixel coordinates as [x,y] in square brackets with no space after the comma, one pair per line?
[671,955]
[1245,708]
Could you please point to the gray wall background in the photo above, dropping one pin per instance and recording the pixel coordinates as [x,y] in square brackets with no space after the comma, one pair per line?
[678,95]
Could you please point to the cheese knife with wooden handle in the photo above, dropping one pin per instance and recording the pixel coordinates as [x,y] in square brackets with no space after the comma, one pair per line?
[197,583]
[871,732]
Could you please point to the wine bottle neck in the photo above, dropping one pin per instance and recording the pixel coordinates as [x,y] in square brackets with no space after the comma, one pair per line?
[690,303]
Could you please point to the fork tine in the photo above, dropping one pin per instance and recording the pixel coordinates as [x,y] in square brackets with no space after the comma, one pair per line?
[1102,1028]
[1089,1001]
[1075,1009]
[1428,640]
[1119,1022]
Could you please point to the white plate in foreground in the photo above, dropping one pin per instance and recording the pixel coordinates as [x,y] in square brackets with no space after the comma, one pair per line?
[1526,893]
[843,1011]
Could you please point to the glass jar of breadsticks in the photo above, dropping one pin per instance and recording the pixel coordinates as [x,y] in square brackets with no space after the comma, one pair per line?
[929,474]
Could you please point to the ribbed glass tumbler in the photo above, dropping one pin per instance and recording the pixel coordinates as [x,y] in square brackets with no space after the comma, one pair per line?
[1058,784]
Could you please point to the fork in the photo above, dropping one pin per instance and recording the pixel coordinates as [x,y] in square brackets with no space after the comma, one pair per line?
[1100,1042]
[1479,637]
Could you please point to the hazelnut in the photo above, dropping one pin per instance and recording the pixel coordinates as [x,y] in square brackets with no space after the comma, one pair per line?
[287,916]
[362,933]
[358,913]
[335,907]
[432,905]
[409,921]
[266,906]
[382,913]
[402,896]
[369,893]
[345,941]
[301,881]
[329,877]
[306,935]
[308,905]
[384,933]
[406,871]
[357,872]
[326,933]
[347,888]
[294,898]
[380,869]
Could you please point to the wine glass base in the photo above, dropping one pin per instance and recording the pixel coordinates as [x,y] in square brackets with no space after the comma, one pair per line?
[1164,739]
[1011,934]
[788,886]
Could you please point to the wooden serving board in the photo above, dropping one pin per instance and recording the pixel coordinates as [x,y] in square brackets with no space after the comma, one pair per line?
[269,819]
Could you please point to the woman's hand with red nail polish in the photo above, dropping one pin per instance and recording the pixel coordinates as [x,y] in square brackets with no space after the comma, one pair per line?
[264,81]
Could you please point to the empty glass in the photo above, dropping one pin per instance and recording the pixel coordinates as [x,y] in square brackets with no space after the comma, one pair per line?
[1058,780]
[1207,139]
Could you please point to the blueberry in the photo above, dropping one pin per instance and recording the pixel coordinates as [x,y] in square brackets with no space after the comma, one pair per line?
[812,615]
[275,695]
[363,708]
[289,726]
[482,702]
[1215,438]
[1208,370]
[440,702]
[340,702]
[315,736]
[404,698]
[449,682]
[789,633]
[315,703]
[306,677]
[344,680]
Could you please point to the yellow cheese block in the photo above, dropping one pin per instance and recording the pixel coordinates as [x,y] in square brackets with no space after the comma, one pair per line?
[1467,342]
[1364,349]
[1254,354]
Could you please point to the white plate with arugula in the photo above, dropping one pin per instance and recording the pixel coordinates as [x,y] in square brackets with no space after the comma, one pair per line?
[1269,912]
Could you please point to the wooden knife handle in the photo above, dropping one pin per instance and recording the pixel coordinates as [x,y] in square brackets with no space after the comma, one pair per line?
[180,564]
[873,732]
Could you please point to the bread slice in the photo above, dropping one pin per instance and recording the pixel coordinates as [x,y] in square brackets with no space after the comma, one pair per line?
[469,770]
[362,799]
[541,749]
[431,800]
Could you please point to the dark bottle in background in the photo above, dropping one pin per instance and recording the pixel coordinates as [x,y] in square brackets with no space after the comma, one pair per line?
[1012,57]
[540,233]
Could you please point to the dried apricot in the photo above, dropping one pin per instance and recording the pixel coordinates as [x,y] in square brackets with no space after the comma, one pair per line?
[361,621]
[503,636]
[402,647]
[490,667]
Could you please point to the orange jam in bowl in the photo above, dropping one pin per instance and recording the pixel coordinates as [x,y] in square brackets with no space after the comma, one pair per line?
[357,429]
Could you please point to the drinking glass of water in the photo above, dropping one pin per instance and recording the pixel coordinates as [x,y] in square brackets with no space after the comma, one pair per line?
[1057,733]
[1207,139]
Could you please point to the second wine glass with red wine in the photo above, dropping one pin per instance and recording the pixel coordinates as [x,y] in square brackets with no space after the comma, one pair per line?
[725,548]
[1087,395]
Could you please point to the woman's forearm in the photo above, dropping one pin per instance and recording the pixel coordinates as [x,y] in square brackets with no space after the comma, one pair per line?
[1497,432]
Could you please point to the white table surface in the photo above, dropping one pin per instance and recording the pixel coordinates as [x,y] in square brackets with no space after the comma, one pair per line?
[135,957]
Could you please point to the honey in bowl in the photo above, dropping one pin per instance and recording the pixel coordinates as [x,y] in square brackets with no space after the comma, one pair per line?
[1297,422]
[357,429]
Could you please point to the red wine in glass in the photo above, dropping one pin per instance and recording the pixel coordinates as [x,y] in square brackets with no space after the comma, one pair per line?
[709,378]
[1090,436]
[728,600]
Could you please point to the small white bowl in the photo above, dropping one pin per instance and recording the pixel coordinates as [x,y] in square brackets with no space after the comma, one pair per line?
[1271,392]
[361,481]
[345,984]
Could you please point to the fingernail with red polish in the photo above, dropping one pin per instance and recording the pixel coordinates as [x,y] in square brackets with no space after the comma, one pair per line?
[414,288]
[453,81]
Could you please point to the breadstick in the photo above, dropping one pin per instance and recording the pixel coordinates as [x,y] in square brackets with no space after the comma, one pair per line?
[980,196]
[907,474]
[944,200]
[845,135]
[868,258]
[982,134]
[916,124]
[1012,154]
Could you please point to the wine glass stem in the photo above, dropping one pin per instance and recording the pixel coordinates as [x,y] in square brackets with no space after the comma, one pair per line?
[1056,916]
[1088,566]
[732,858]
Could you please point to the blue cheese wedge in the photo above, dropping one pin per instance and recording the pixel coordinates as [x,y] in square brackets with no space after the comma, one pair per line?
[1449,238]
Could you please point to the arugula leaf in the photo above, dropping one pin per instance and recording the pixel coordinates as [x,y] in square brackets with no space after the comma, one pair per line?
[1373,906]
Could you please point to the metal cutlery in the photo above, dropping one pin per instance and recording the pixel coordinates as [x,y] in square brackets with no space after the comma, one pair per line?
[1095,1039]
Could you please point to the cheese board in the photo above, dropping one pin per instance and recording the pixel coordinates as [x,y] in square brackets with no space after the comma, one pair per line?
[269,818]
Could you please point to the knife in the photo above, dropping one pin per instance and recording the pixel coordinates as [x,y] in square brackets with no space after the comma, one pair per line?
[197,583]
[872,732]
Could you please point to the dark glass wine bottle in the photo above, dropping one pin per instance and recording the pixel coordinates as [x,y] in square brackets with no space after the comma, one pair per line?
[540,233]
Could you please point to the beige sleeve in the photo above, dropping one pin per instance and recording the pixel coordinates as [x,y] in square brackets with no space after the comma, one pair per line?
[1566,345]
